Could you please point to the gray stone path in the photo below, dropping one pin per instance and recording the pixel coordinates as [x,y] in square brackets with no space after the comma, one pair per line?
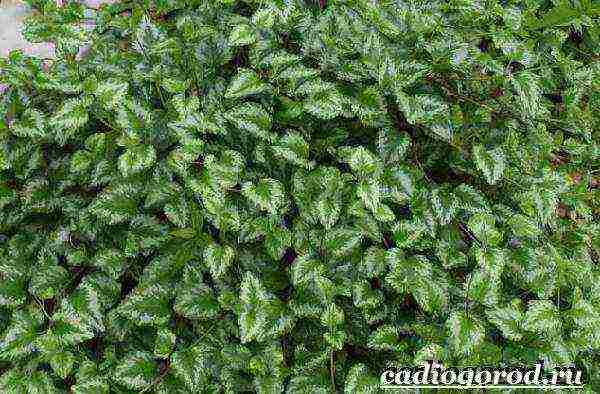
[12,13]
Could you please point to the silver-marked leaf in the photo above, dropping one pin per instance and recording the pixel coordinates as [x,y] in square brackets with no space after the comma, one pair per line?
[243,35]
[265,17]
[342,241]
[227,169]
[267,195]
[466,334]
[490,162]
[218,259]
[332,317]
[178,212]
[246,83]
[136,371]
[360,381]
[523,226]
[327,210]
[483,226]
[542,317]
[137,158]
[325,104]
[196,302]
[369,193]
[294,149]
[192,366]
[373,262]
[252,118]
[361,161]
[164,342]
[62,363]
[509,319]
[386,338]
[111,93]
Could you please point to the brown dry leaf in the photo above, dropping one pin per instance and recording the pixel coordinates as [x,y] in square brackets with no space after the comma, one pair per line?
[563,211]
[575,177]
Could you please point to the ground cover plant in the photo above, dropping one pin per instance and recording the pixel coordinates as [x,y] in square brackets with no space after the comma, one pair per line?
[290,196]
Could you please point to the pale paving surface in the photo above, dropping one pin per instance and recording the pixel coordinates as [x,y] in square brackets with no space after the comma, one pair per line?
[12,13]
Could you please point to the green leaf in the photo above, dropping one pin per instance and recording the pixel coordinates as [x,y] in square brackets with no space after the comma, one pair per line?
[586,318]
[386,338]
[418,276]
[89,380]
[369,194]
[252,118]
[509,319]
[80,316]
[422,108]
[266,195]
[136,371]
[522,226]
[246,83]
[293,148]
[163,345]
[373,262]
[491,163]
[32,125]
[335,339]
[342,241]
[432,351]
[136,159]
[174,85]
[62,363]
[196,302]
[408,233]
[111,93]
[360,160]
[226,170]
[466,334]
[17,340]
[470,199]
[242,35]
[286,196]
[542,317]
[90,387]
[277,241]
[483,226]
[191,365]
[332,317]
[365,297]
[264,18]
[50,280]
[327,211]
[72,115]
[81,161]
[392,146]
[325,104]
[218,259]
[178,212]
[12,292]
[146,305]
[262,316]
[561,15]
[307,270]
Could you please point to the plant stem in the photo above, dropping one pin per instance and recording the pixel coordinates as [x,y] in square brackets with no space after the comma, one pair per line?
[332,370]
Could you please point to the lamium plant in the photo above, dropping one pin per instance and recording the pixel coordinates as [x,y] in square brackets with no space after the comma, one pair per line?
[291,196]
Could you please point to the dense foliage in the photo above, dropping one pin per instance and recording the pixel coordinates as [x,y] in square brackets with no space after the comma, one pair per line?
[290,195]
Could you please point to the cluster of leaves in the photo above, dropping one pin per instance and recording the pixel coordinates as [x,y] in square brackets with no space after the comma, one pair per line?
[291,195]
